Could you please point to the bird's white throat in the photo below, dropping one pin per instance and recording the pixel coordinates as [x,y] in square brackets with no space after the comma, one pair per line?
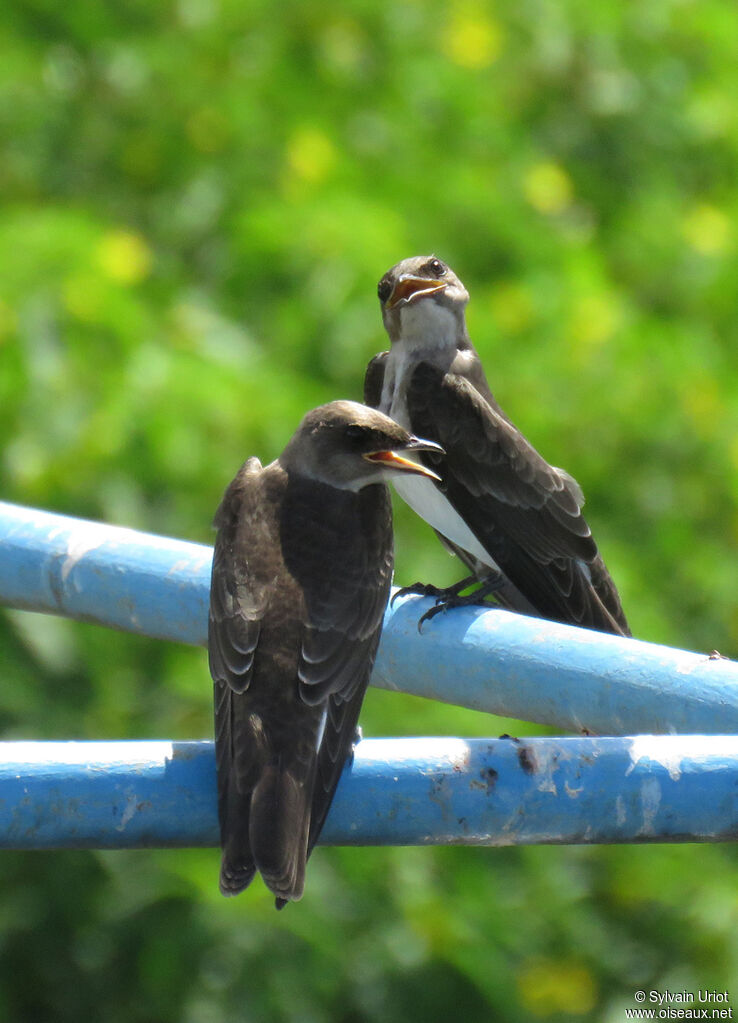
[425,325]
[428,331]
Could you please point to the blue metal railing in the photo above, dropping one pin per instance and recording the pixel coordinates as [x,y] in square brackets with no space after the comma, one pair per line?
[398,792]
[643,788]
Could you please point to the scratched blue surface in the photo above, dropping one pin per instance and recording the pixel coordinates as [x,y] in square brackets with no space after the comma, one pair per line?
[396,792]
[494,661]
[104,574]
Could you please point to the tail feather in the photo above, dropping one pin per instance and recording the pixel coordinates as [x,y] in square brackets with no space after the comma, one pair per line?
[234,877]
[278,831]
[237,867]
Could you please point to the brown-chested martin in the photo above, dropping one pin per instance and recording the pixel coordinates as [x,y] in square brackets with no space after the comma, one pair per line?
[301,575]
[513,519]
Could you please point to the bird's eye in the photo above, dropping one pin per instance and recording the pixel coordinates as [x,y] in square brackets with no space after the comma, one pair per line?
[354,432]
[384,289]
[435,267]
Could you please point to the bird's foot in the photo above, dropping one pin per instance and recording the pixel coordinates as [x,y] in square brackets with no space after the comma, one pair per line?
[429,590]
[453,596]
[442,606]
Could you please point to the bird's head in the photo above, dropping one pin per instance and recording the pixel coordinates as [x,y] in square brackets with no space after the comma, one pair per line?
[350,446]
[423,299]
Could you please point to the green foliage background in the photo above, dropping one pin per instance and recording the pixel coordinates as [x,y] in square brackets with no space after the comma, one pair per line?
[197,201]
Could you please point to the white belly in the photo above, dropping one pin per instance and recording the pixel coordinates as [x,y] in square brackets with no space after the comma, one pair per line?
[430,504]
[419,492]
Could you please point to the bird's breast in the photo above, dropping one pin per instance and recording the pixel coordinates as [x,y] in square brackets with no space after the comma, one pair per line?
[398,371]
[431,504]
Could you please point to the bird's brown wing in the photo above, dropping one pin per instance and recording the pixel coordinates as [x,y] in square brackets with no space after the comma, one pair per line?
[525,513]
[340,552]
[237,602]
[374,380]
[239,595]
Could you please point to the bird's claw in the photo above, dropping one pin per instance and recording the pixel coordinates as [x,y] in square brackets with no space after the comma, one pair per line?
[444,604]
[431,613]
[450,596]
[418,590]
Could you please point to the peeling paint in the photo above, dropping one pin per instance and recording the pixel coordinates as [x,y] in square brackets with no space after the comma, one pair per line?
[81,541]
[620,811]
[650,802]
[193,566]
[526,759]
[545,764]
[129,811]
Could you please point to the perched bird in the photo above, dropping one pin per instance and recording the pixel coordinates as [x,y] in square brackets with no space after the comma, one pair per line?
[301,574]
[514,520]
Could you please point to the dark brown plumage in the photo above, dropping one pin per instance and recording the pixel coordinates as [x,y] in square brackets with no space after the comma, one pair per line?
[301,573]
[512,518]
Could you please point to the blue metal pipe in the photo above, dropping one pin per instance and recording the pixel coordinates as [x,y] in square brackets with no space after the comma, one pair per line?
[397,792]
[104,574]
[488,660]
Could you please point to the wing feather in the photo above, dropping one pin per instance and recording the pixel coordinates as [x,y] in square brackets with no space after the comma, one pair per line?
[346,579]
[237,598]
[526,513]
[374,379]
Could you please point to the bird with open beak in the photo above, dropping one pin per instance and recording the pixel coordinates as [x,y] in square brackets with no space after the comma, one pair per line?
[301,575]
[514,520]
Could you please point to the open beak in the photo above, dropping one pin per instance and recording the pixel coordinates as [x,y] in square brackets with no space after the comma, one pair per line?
[394,461]
[409,287]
